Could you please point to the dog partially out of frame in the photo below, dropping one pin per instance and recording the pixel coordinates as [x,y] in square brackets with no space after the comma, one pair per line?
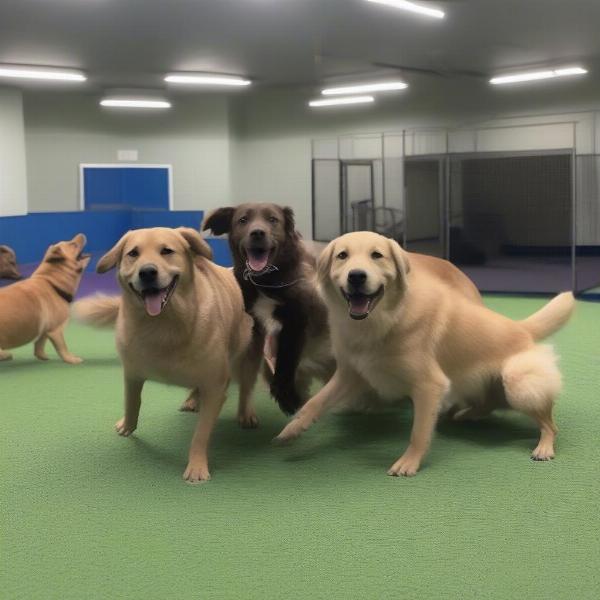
[37,309]
[8,264]
[399,331]
[180,320]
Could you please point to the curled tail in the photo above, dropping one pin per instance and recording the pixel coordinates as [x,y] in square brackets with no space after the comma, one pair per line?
[98,310]
[551,317]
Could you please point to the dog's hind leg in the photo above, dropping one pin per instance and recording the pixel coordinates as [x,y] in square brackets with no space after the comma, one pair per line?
[58,341]
[5,355]
[191,402]
[39,350]
[531,382]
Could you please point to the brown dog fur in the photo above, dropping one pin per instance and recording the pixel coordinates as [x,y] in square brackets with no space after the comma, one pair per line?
[199,340]
[8,264]
[420,338]
[38,308]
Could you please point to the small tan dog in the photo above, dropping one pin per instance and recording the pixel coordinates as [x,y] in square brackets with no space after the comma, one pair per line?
[399,331]
[38,308]
[8,264]
[180,321]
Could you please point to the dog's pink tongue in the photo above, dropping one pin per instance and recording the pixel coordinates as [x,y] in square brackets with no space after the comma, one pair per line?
[359,305]
[258,263]
[153,303]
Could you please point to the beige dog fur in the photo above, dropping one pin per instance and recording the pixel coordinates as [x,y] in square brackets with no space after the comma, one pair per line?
[424,340]
[199,340]
[38,308]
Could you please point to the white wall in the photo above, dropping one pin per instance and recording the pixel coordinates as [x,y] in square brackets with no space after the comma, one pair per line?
[66,129]
[13,181]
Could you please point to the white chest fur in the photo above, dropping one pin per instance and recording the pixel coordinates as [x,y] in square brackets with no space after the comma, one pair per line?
[263,310]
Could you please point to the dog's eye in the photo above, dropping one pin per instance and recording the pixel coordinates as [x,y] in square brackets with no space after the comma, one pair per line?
[273,219]
[133,253]
[376,255]
[243,220]
[342,255]
[166,251]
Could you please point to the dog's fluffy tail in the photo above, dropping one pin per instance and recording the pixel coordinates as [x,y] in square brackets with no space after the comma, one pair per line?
[551,317]
[98,310]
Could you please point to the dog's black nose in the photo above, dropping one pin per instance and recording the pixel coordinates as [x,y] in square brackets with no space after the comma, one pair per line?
[356,278]
[257,234]
[148,273]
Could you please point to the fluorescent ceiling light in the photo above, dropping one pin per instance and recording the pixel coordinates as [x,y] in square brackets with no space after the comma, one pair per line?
[41,73]
[339,101]
[366,87]
[412,7]
[537,75]
[206,79]
[134,103]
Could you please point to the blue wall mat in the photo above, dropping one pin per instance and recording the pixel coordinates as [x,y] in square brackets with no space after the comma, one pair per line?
[135,187]
[30,235]
[221,252]
[102,188]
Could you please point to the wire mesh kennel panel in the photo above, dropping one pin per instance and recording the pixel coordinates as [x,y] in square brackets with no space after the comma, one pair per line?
[511,220]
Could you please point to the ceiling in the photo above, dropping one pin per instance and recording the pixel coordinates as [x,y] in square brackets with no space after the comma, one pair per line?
[295,42]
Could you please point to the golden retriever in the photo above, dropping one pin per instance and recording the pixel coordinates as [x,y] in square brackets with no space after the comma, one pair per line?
[399,331]
[38,308]
[180,321]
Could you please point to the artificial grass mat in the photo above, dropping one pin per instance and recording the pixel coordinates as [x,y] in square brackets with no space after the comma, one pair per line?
[87,514]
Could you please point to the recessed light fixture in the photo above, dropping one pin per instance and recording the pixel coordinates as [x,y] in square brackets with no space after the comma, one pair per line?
[412,7]
[206,79]
[537,75]
[134,103]
[341,101]
[362,88]
[40,73]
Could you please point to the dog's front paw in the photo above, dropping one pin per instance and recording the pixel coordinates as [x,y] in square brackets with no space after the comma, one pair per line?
[248,420]
[123,428]
[287,397]
[407,465]
[543,451]
[196,472]
[72,359]
[293,430]
[5,355]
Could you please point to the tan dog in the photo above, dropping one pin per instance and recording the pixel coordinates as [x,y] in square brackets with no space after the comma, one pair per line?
[180,321]
[8,264]
[38,308]
[399,331]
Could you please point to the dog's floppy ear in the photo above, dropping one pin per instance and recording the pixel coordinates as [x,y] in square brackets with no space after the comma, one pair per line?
[80,240]
[324,262]
[112,257]
[55,254]
[400,257]
[198,245]
[219,221]
[289,221]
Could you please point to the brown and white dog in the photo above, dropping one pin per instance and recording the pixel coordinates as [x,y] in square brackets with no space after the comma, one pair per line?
[180,320]
[38,308]
[276,273]
[8,264]
[399,330]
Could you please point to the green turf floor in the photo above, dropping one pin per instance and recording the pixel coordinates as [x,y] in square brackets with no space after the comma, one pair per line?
[86,514]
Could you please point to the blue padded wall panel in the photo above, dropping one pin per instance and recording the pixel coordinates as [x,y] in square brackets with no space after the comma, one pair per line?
[133,187]
[172,218]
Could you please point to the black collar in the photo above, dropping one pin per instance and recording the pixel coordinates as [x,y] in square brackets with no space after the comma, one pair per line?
[64,295]
[249,275]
